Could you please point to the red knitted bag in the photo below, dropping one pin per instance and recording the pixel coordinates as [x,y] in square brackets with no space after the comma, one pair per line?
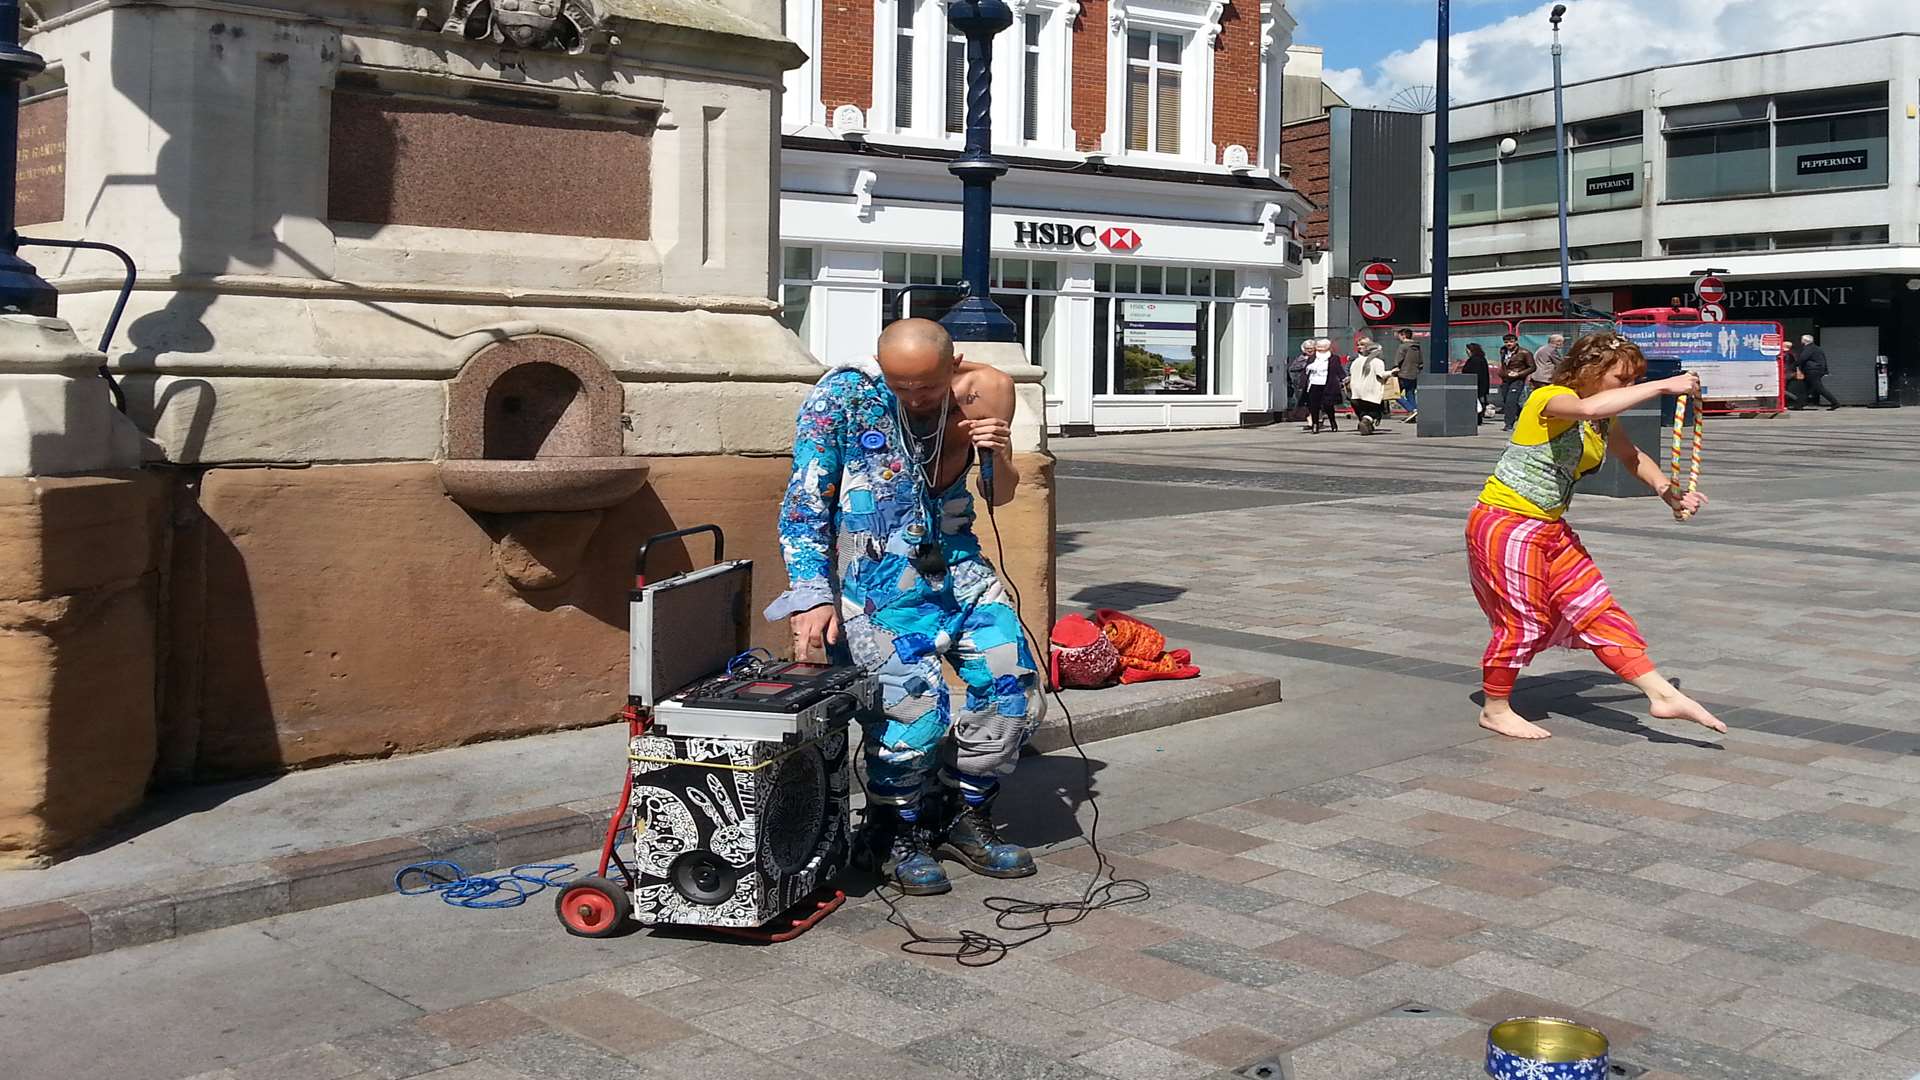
[1081,657]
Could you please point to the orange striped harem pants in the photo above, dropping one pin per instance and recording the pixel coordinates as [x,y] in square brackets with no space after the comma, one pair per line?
[1540,588]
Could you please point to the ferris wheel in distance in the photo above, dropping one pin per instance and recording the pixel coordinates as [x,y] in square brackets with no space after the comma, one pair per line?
[1415,99]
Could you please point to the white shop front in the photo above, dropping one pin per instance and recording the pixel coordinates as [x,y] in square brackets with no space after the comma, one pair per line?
[1142,321]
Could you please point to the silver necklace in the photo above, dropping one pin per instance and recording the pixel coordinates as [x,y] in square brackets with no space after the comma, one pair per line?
[917,446]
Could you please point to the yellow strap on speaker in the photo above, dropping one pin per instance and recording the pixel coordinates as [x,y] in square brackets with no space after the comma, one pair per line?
[714,764]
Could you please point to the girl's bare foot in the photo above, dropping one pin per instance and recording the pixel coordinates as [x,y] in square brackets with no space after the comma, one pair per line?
[1678,706]
[1498,717]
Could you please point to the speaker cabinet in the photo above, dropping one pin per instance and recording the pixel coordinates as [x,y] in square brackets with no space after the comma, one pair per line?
[734,832]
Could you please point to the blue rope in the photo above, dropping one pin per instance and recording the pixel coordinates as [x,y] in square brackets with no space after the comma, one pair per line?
[503,890]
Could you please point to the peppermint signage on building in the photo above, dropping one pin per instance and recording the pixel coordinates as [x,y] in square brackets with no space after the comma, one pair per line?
[1611,184]
[1831,162]
[1066,234]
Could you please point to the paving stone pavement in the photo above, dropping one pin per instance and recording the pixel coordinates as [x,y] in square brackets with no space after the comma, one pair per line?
[1794,595]
[1737,908]
[1358,927]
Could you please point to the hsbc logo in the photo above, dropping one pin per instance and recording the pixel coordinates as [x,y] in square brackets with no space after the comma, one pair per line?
[1062,234]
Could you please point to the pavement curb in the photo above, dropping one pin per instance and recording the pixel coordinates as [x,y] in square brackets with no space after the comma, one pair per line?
[38,934]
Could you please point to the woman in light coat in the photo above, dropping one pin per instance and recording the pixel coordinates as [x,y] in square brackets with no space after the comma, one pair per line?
[1367,382]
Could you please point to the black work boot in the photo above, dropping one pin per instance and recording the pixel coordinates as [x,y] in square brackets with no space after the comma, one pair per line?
[972,840]
[902,852]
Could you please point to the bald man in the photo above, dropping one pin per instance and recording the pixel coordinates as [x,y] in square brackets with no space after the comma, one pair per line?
[877,533]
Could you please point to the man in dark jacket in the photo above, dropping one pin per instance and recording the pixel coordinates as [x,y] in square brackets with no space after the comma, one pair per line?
[1812,361]
[1406,365]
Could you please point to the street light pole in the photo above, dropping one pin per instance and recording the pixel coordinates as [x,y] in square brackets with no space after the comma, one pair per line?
[22,290]
[976,317]
[1437,321]
[1560,160]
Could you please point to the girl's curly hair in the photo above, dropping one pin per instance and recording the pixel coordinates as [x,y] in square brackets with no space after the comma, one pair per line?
[1596,354]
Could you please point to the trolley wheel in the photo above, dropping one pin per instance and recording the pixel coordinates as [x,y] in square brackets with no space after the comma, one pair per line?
[593,907]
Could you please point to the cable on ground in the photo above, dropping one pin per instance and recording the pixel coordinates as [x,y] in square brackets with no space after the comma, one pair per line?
[508,888]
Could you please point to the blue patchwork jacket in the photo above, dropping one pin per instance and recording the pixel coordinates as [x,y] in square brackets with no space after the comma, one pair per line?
[857,506]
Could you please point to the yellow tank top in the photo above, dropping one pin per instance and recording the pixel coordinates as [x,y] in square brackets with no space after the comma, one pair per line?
[1546,455]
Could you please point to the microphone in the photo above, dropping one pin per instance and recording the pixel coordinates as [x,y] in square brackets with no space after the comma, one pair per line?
[986,476]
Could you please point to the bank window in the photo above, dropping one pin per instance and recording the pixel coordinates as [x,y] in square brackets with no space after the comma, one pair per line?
[1153,91]
[1022,287]
[796,289]
[1833,138]
[1034,25]
[1163,330]
[906,11]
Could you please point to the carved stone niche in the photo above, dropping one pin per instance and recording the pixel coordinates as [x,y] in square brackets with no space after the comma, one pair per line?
[533,445]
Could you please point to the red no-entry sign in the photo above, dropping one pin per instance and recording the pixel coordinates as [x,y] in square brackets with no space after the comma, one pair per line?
[1710,289]
[1377,277]
[1376,306]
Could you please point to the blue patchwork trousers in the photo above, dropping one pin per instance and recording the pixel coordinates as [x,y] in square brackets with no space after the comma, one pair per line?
[968,623]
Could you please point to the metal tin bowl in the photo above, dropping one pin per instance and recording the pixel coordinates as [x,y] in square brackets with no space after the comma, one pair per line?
[1545,1048]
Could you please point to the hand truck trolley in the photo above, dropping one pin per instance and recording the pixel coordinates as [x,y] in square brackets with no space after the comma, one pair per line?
[737,779]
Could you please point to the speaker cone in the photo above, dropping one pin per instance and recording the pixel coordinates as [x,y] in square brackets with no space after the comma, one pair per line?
[703,878]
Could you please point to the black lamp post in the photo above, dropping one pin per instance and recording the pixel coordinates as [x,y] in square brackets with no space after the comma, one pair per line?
[1437,338]
[22,290]
[976,317]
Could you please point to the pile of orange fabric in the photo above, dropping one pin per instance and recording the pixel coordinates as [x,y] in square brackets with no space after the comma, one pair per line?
[1143,650]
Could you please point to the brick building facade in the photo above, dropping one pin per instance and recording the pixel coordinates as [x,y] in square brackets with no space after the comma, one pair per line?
[1144,227]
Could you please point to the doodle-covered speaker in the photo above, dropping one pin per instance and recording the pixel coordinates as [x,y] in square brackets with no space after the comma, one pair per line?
[734,832]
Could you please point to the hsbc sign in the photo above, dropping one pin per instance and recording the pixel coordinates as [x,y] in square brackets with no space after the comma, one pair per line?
[1063,234]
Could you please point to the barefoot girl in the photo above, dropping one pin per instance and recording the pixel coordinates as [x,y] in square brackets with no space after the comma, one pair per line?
[1530,572]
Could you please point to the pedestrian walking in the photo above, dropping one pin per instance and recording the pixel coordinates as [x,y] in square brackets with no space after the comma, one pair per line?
[1812,362]
[1297,379]
[1323,386]
[1476,366]
[1546,360]
[1516,373]
[1530,572]
[1406,365]
[1367,384]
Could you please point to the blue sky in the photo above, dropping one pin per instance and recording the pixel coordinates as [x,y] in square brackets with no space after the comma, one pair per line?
[1376,47]
[1358,34]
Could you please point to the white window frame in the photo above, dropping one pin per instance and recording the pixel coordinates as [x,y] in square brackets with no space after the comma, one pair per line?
[1052,131]
[1198,21]
[929,30]
[800,104]
[929,112]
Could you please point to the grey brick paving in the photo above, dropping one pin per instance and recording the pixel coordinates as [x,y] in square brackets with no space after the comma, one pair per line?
[1745,908]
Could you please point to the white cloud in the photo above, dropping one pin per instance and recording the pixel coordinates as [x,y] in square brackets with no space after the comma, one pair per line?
[1606,37]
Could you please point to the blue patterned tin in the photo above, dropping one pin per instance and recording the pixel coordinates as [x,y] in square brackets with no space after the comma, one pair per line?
[1545,1048]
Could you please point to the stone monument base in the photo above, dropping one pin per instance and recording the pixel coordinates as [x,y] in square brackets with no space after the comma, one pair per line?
[79,595]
